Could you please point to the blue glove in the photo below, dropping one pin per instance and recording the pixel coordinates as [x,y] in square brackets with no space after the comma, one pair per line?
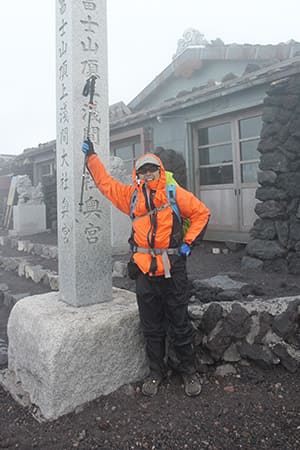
[185,249]
[88,147]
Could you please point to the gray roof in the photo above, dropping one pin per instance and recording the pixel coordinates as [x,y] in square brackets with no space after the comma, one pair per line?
[193,57]
[118,110]
[212,90]
[42,148]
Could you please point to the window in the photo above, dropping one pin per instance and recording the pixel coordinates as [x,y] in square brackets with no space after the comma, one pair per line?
[130,145]
[128,153]
[214,135]
[219,152]
[249,132]
[44,169]
[215,154]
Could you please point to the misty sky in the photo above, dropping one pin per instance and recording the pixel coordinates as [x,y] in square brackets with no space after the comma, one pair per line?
[142,38]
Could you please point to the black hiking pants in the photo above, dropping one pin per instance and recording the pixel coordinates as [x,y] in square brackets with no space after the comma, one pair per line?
[162,304]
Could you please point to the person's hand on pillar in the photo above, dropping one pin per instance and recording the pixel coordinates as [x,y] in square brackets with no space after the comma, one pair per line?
[88,147]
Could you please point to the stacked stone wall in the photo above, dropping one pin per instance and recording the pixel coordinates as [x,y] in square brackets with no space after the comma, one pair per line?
[264,332]
[275,237]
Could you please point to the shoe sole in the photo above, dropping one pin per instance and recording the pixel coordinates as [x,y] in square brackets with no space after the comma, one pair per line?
[146,394]
[189,394]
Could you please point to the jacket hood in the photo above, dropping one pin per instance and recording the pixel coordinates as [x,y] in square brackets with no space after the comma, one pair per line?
[161,182]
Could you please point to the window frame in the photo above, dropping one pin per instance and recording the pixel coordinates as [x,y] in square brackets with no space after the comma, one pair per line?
[233,119]
[131,138]
[219,144]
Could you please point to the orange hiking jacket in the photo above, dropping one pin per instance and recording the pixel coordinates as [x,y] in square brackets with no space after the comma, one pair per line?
[121,194]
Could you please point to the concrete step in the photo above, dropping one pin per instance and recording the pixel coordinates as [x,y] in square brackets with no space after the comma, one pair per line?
[32,248]
[38,262]
[31,260]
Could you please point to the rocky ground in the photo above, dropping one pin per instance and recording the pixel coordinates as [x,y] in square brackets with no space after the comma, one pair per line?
[252,409]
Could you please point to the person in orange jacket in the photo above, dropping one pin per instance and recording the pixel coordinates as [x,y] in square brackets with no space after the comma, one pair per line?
[158,262]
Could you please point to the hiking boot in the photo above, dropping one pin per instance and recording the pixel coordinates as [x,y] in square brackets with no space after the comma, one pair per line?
[151,384]
[192,384]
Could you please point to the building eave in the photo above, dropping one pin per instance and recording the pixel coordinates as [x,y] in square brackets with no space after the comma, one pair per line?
[199,55]
[266,75]
[42,148]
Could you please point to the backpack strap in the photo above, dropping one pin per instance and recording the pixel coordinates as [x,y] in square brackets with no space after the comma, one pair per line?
[132,204]
[164,252]
[150,213]
[171,193]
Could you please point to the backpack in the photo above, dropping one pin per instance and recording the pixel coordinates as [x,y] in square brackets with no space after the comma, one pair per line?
[171,194]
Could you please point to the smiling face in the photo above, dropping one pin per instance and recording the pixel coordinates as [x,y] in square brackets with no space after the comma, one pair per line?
[148,172]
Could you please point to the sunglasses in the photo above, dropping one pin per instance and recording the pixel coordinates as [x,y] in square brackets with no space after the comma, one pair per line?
[148,168]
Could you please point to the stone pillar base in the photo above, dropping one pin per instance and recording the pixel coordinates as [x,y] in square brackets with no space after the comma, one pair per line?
[64,357]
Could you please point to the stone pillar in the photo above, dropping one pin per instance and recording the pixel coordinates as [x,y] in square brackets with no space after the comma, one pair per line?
[61,356]
[84,242]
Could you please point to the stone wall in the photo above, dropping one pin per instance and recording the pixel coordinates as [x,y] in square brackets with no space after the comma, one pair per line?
[275,237]
[264,332]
